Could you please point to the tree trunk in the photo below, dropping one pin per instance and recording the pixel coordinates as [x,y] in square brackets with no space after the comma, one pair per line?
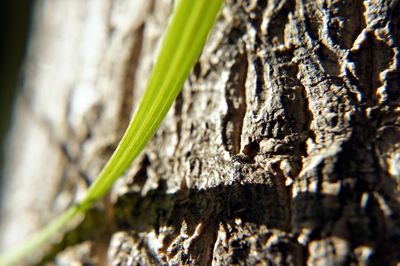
[282,149]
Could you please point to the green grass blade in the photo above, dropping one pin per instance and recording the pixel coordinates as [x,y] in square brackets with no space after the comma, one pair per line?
[185,37]
[183,43]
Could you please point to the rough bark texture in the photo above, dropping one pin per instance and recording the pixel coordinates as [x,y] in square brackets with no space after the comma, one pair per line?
[282,149]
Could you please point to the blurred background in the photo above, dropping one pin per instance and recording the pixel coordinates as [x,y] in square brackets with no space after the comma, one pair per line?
[14,31]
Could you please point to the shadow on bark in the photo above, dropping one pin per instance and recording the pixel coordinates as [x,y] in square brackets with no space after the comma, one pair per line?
[258,204]
[254,205]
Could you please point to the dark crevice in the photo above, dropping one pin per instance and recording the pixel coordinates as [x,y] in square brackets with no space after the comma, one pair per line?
[393,77]
[328,59]
[308,118]
[178,117]
[197,70]
[260,82]
[310,22]
[346,21]
[140,177]
[251,150]
[235,95]
[255,17]
[279,19]
[373,57]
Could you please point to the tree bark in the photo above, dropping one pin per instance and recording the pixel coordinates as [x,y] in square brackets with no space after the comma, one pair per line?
[282,149]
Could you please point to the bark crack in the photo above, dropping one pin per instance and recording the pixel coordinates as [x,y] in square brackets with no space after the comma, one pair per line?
[235,95]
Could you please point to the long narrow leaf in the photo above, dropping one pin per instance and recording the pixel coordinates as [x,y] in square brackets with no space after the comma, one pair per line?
[185,37]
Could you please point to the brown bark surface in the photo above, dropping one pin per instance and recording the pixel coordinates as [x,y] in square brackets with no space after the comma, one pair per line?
[282,149]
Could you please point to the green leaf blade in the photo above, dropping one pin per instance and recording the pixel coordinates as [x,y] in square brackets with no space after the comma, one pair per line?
[180,50]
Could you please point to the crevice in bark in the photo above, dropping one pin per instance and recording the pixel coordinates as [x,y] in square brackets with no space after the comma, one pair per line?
[178,117]
[329,60]
[260,81]
[235,95]
[339,29]
[256,13]
[276,28]
[140,177]
[371,58]
[311,20]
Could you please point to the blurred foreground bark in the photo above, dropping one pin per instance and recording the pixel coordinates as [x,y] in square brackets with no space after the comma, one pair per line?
[282,149]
